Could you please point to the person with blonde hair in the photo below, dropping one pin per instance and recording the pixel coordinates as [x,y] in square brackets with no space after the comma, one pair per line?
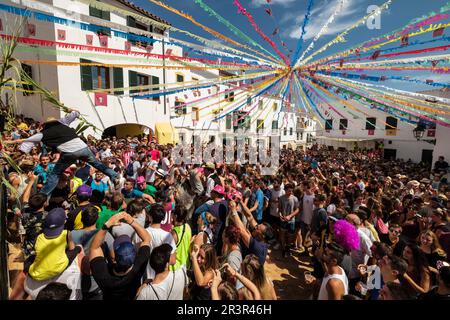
[254,271]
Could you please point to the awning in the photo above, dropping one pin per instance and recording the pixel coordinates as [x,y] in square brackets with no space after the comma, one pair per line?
[166,133]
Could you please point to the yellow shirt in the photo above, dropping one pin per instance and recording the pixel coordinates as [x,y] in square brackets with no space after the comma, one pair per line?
[76,183]
[23,126]
[51,259]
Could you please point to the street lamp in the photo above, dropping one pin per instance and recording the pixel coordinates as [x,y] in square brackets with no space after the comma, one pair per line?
[419,131]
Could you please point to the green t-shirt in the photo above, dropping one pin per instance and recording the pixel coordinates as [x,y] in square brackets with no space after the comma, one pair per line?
[150,190]
[104,216]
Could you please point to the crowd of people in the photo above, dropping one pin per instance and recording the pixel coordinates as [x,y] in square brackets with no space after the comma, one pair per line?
[116,218]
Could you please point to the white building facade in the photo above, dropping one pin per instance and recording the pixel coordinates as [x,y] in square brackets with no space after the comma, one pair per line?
[78,80]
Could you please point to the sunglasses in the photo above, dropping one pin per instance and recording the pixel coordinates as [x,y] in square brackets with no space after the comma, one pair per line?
[397,232]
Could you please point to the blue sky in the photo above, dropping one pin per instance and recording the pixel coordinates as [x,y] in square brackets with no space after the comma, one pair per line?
[288,16]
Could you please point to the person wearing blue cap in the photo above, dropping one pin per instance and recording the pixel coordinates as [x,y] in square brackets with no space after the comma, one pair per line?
[122,281]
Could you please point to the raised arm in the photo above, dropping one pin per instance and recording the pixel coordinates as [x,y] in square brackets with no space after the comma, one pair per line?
[246,282]
[95,249]
[70,117]
[245,234]
[141,232]
[200,278]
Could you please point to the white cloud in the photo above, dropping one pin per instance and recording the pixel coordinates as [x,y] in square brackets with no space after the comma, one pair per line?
[259,3]
[319,16]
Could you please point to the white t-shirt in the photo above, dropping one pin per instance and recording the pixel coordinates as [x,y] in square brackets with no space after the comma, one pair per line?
[71,277]
[308,207]
[159,236]
[275,196]
[165,163]
[149,173]
[171,288]
[361,255]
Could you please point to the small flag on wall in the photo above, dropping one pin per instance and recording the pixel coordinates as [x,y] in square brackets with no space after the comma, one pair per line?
[185,96]
[61,35]
[89,39]
[371,132]
[438,32]
[103,41]
[101,99]
[127,45]
[31,30]
[1,25]
[149,48]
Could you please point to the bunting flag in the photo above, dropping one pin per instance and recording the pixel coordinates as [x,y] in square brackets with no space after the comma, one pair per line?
[207,29]
[300,41]
[276,31]
[250,18]
[269,11]
[341,37]
[405,40]
[438,32]
[231,27]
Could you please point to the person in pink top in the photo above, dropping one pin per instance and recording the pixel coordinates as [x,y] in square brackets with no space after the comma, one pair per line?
[155,153]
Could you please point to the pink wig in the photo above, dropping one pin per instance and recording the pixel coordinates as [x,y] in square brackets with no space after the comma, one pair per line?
[345,234]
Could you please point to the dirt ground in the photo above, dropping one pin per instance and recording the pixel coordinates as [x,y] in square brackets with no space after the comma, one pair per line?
[287,275]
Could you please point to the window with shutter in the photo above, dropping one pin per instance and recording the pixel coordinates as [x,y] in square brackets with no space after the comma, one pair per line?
[105,15]
[132,81]
[371,123]
[118,80]
[329,124]
[180,110]
[86,76]
[274,125]
[180,78]
[291,131]
[343,124]
[228,122]
[27,69]
[391,123]
[195,113]
[259,126]
[155,80]
[131,22]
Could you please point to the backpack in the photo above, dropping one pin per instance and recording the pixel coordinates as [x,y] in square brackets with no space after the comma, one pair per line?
[130,170]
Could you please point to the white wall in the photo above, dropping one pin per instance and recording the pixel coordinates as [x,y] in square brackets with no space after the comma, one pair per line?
[442,147]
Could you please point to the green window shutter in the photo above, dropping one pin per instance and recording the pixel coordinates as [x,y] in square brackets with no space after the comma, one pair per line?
[155,80]
[94,12]
[132,80]
[228,121]
[86,76]
[118,80]
[106,15]
[131,22]
[27,69]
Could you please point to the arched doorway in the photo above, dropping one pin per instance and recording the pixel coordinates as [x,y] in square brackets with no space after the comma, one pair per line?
[127,129]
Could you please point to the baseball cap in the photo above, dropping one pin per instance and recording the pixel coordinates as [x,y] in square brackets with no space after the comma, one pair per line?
[140,180]
[54,222]
[84,190]
[124,251]
[219,189]
[210,165]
